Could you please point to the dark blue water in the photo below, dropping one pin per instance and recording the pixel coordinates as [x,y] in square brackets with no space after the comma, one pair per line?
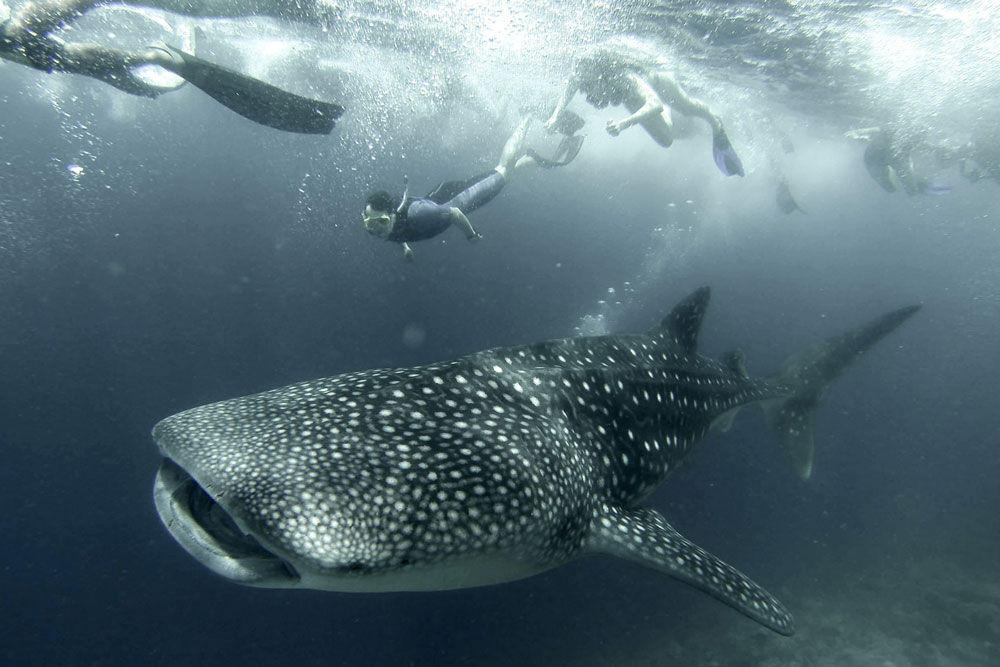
[199,257]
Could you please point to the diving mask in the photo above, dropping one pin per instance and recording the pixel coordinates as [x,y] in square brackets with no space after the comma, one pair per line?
[376,222]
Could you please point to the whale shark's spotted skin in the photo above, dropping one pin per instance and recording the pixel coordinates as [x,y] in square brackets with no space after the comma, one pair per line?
[484,469]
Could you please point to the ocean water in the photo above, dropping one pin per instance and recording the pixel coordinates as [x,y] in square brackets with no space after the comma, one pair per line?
[160,254]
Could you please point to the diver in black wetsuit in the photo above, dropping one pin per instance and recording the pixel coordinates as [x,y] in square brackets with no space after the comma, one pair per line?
[421,218]
[26,38]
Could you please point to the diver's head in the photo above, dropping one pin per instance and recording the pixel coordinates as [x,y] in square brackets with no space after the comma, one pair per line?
[601,87]
[600,76]
[598,98]
[379,215]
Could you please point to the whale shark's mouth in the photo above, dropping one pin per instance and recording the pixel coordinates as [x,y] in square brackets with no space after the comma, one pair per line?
[207,531]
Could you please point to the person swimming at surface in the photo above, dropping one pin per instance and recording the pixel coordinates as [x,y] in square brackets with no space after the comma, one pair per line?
[650,93]
[417,219]
[889,161]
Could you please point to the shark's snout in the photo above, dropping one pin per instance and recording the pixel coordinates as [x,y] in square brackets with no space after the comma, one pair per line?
[206,530]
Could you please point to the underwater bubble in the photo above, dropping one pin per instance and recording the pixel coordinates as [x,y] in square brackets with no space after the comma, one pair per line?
[414,336]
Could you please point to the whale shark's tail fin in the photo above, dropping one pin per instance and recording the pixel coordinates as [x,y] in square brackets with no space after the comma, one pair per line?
[809,373]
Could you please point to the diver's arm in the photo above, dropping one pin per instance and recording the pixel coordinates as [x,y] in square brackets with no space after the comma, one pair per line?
[459,220]
[405,200]
[651,105]
[571,89]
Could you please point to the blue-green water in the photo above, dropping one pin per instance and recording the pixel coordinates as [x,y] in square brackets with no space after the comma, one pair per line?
[160,254]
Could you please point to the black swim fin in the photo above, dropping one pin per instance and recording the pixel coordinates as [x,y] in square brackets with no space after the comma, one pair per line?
[565,153]
[254,99]
[568,122]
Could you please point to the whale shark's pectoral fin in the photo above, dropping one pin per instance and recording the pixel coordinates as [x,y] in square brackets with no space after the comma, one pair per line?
[644,536]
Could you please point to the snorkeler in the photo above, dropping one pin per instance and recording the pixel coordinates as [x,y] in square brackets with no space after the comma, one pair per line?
[650,93]
[889,162]
[314,12]
[25,37]
[979,158]
[420,218]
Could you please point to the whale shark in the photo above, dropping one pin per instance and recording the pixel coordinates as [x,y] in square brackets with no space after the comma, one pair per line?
[484,469]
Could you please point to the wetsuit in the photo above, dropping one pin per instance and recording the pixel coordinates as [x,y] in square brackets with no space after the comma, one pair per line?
[426,217]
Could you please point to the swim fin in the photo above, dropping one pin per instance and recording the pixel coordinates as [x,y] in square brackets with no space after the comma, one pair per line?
[566,152]
[935,188]
[725,157]
[568,123]
[784,198]
[252,98]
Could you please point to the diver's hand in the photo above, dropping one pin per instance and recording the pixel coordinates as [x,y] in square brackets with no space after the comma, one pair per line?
[550,124]
[407,252]
[613,128]
[475,236]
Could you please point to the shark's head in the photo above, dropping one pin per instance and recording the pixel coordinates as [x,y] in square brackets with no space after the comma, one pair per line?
[351,484]
[243,489]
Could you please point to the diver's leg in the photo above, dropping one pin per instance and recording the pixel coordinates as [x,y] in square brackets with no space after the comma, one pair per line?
[479,193]
[513,149]
[24,34]
[301,10]
[671,93]
[43,16]
[25,38]
[659,126]
[112,66]
[520,164]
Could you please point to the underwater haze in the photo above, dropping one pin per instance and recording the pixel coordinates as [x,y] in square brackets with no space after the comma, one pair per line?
[161,254]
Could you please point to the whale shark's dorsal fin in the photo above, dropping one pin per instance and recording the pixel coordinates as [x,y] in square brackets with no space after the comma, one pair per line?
[683,323]
[643,536]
